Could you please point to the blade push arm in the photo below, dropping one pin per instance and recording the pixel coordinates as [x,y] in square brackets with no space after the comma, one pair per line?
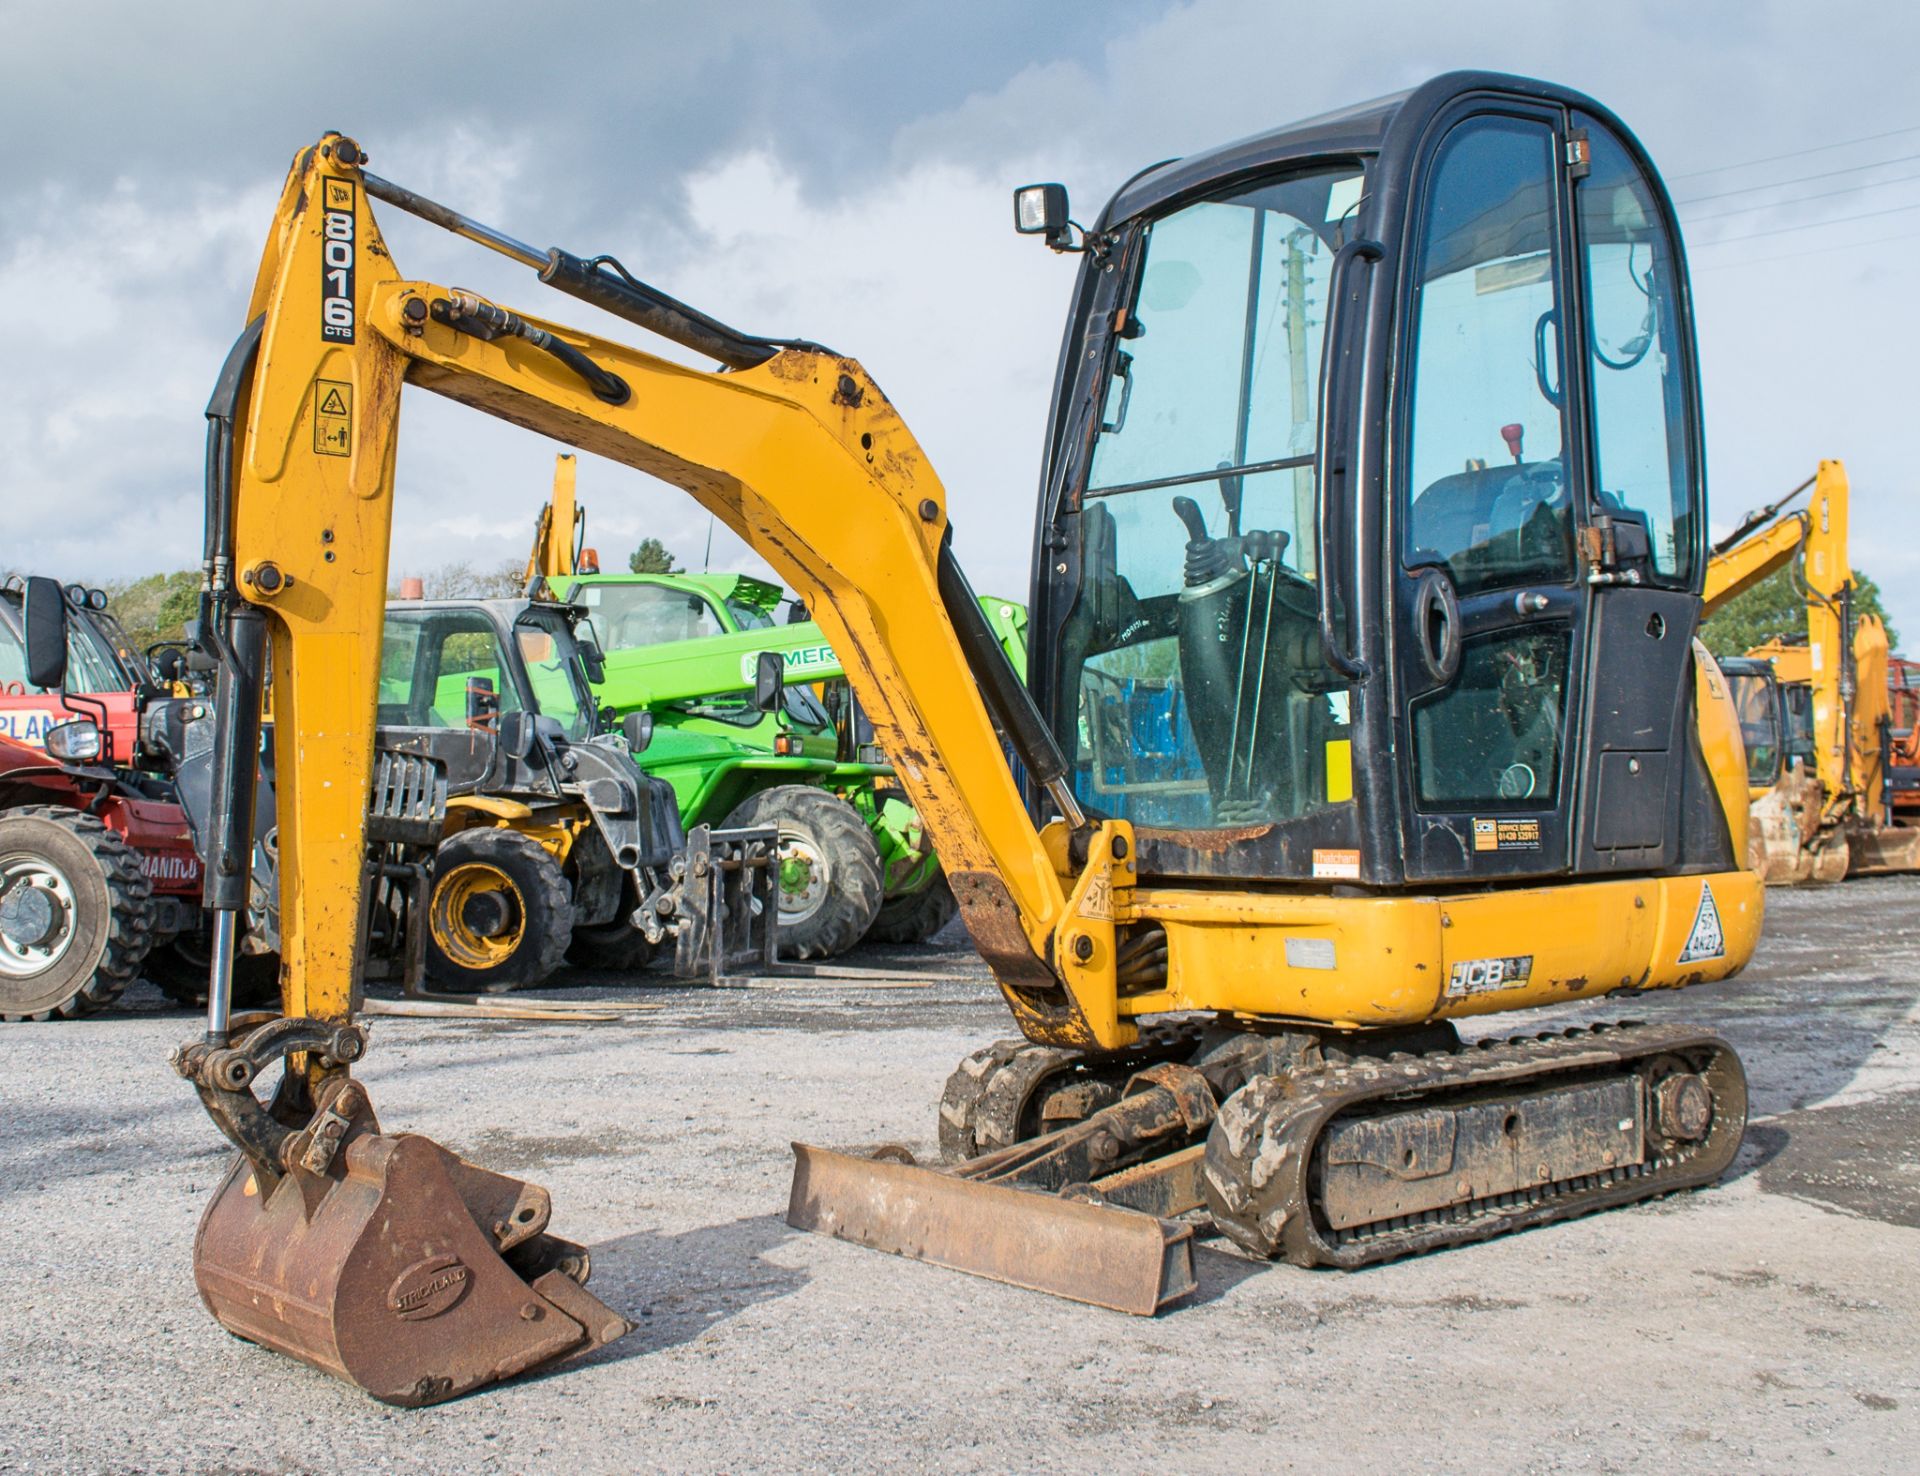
[801,455]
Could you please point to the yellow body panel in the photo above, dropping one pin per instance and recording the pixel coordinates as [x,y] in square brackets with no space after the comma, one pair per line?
[1718,723]
[489,804]
[1401,960]
[805,460]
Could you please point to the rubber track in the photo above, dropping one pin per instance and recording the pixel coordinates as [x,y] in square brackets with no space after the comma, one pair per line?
[129,926]
[986,1097]
[1260,1169]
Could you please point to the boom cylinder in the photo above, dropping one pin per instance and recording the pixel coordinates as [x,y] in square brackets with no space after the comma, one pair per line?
[228,876]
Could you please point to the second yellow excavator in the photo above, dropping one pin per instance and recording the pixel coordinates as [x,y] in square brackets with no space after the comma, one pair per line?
[1364,699]
[1814,705]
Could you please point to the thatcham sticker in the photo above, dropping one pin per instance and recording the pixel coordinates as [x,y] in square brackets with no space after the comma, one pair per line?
[1708,938]
[1486,975]
[1336,865]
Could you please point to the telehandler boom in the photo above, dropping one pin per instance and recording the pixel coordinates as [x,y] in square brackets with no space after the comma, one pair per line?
[1399,731]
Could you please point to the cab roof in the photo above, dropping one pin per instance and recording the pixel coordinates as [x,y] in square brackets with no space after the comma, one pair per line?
[1360,129]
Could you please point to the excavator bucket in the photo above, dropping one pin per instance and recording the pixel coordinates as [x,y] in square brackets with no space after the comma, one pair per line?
[382,1259]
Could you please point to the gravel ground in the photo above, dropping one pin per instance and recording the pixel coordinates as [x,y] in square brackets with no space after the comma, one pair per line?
[1766,1324]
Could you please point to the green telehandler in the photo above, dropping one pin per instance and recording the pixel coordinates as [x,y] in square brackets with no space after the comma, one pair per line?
[855,863]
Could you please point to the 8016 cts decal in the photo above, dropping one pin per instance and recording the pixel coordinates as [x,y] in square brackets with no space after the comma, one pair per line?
[336,263]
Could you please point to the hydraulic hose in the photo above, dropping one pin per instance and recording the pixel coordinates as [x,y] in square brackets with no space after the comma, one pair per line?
[466,312]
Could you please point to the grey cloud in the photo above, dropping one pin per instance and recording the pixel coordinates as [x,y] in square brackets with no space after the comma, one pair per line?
[150,140]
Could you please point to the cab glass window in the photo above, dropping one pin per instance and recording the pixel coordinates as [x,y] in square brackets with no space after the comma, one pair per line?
[92,667]
[1754,702]
[631,615]
[1487,487]
[443,669]
[13,661]
[550,657]
[1197,692]
[1491,740]
[1637,368]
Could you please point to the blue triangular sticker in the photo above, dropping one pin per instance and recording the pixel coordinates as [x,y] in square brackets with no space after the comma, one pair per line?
[1708,939]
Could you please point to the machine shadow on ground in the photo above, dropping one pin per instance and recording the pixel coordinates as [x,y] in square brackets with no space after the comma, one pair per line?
[673,1288]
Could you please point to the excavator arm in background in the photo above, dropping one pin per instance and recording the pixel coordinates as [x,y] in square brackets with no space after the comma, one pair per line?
[1832,822]
[559,533]
[390,1262]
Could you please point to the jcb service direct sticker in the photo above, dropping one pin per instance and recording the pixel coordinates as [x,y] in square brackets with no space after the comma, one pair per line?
[1506,835]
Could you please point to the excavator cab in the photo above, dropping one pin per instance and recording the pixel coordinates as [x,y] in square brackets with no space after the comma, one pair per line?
[1374,505]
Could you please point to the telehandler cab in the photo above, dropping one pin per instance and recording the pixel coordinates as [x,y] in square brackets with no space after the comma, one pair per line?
[1363,698]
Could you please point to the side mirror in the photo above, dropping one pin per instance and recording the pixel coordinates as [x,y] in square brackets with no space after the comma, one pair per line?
[595,661]
[515,733]
[171,664]
[483,703]
[1041,210]
[637,727]
[769,681]
[44,612]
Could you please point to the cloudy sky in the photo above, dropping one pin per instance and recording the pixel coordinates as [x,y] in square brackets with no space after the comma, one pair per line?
[840,171]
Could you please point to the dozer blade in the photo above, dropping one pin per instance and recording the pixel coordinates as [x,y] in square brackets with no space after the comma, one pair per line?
[974,1218]
[1085,1252]
[382,1259]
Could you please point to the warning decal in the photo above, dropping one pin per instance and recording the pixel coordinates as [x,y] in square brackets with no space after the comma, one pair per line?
[1098,902]
[1708,939]
[332,417]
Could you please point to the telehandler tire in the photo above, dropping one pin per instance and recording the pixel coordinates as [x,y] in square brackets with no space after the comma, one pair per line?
[615,947]
[829,880]
[179,969]
[75,917]
[499,915]
[917,916]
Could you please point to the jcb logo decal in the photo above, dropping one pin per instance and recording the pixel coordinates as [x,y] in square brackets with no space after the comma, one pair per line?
[1485,975]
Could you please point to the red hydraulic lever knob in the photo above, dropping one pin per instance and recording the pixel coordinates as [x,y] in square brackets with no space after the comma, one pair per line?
[1511,434]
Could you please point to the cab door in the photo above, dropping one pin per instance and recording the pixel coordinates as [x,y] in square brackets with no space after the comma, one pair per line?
[1543,504]
[1490,607]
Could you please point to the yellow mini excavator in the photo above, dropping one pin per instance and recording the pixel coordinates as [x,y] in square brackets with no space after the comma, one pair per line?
[1364,698]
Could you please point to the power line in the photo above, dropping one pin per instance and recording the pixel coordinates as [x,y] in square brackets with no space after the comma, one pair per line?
[1727,266]
[1798,153]
[1800,179]
[1812,225]
[1872,184]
